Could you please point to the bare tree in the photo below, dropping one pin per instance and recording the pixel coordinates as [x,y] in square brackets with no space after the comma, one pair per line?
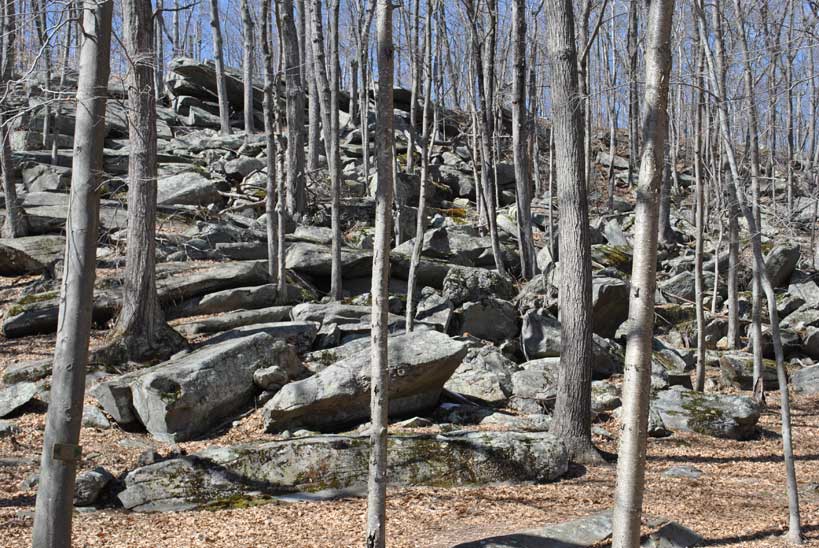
[628,496]
[526,243]
[573,406]
[270,107]
[379,404]
[247,67]
[718,89]
[328,96]
[141,332]
[61,450]
[314,148]
[295,109]
[219,62]
[16,224]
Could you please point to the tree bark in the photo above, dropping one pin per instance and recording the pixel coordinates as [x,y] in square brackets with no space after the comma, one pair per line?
[699,199]
[572,416]
[270,107]
[295,110]
[141,332]
[718,88]
[628,496]
[218,59]
[377,480]
[247,68]
[314,146]
[54,504]
[526,243]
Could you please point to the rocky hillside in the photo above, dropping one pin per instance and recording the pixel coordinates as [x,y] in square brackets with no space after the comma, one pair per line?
[471,389]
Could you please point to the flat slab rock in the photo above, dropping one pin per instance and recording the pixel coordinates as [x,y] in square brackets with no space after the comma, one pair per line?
[717,415]
[590,531]
[30,254]
[319,463]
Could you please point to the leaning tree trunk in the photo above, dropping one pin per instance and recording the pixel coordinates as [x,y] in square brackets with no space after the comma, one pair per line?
[718,88]
[328,99]
[16,224]
[427,142]
[628,495]
[572,413]
[295,110]
[141,332]
[61,450]
[526,243]
[247,68]
[377,479]
[269,108]
[219,61]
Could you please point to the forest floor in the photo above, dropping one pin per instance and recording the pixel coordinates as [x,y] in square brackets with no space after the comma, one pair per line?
[738,501]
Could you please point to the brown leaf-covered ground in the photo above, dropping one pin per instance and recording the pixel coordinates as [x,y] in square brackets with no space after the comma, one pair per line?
[739,501]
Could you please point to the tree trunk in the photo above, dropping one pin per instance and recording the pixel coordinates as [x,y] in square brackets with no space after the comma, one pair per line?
[572,422]
[328,99]
[61,451]
[314,148]
[699,200]
[218,59]
[633,100]
[526,243]
[16,224]
[718,88]
[295,111]
[270,106]
[628,496]
[427,141]
[247,69]
[377,481]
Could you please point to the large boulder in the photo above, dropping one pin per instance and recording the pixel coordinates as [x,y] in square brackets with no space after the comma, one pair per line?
[420,363]
[232,320]
[485,374]
[30,254]
[15,396]
[463,285]
[806,380]
[609,305]
[490,319]
[781,262]
[540,335]
[186,396]
[316,260]
[333,463]
[717,415]
[534,387]
[188,188]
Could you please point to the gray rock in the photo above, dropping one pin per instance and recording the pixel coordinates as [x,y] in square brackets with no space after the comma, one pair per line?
[806,290]
[678,288]
[420,363]
[589,531]
[241,167]
[537,422]
[605,397]
[540,335]
[186,396]
[810,342]
[806,380]
[737,370]
[489,319]
[485,374]
[317,463]
[434,310]
[286,367]
[805,316]
[299,334]
[316,260]
[89,486]
[247,298]
[46,178]
[534,388]
[189,188]
[781,262]
[15,396]
[683,472]
[232,320]
[463,285]
[609,305]
[30,254]
[717,415]
[92,417]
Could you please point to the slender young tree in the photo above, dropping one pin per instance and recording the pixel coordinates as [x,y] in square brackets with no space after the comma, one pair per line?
[328,99]
[219,62]
[628,495]
[573,406]
[385,163]
[314,148]
[61,451]
[248,47]
[699,204]
[295,199]
[269,108]
[141,332]
[718,89]
[520,151]
[16,224]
